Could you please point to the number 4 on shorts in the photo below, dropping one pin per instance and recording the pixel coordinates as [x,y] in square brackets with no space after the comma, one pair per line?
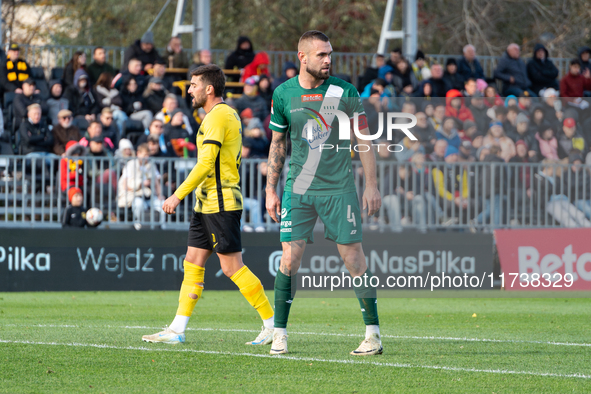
[351,217]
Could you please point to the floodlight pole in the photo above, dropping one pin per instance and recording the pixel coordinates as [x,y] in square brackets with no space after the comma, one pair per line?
[409,32]
[200,27]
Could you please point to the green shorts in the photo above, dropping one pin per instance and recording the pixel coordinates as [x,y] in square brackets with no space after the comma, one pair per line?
[340,214]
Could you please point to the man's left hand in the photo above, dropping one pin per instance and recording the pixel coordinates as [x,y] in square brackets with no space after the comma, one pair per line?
[372,200]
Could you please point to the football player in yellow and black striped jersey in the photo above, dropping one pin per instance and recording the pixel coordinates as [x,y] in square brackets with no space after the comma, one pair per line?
[215,226]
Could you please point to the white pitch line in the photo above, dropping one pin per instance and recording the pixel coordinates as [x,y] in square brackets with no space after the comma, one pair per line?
[430,338]
[292,358]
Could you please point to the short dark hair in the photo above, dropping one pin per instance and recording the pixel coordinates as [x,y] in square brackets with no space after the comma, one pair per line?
[397,50]
[313,35]
[212,75]
[95,122]
[96,49]
[469,80]
[575,61]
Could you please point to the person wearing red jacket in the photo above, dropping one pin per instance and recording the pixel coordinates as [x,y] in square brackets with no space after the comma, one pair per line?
[71,168]
[455,106]
[259,66]
[573,84]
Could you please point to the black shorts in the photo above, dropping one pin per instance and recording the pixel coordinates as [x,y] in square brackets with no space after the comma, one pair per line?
[219,231]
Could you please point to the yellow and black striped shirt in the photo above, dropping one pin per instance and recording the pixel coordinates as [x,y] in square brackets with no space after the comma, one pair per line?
[215,177]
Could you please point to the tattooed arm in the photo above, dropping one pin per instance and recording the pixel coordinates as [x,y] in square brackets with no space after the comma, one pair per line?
[275,164]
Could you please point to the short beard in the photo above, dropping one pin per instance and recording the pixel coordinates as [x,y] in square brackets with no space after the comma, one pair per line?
[199,102]
[317,73]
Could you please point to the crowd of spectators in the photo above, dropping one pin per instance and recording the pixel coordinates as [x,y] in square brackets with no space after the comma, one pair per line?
[521,114]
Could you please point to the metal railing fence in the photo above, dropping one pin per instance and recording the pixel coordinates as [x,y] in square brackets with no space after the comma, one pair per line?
[351,64]
[419,197]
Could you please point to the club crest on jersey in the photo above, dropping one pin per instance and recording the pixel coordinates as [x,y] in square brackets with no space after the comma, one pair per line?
[311,97]
[316,131]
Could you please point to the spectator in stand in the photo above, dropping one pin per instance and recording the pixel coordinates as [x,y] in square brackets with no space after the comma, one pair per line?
[124,152]
[496,137]
[159,72]
[82,101]
[491,96]
[264,89]
[454,190]
[94,133]
[134,70]
[154,95]
[290,70]
[255,134]
[157,131]
[522,133]
[469,66]
[71,166]
[471,133]
[35,137]
[250,99]
[75,213]
[143,50]
[570,138]
[513,72]
[395,57]
[78,62]
[541,71]
[584,54]
[420,68]
[109,127]
[454,80]
[439,85]
[439,149]
[105,95]
[170,104]
[438,116]
[56,101]
[470,88]
[547,142]
[14,71]
[139,180]
[133,104]
[449,133]
[23,100]
[99,65]
[174,55]
[176,132]
[511,121]
[580,183]
[404,80]
[243,55]
[64,131]
[201,58]
[573,85]
[424,132]
[259,66]
[550,105]
[455,106]
[371,72]
[522,156]
[478,109]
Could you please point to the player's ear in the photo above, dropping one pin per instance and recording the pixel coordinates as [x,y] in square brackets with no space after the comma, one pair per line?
[302,57]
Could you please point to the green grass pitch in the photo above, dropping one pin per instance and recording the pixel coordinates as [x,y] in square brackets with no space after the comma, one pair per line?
[90,342]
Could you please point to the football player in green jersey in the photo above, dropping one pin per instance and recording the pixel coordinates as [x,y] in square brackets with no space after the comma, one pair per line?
[320,182]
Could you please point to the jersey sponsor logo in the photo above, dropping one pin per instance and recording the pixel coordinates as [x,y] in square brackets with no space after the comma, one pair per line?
[283,213]
[311,97]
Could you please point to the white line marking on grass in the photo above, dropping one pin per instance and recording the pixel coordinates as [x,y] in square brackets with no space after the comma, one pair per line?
[430,338]
[293,358]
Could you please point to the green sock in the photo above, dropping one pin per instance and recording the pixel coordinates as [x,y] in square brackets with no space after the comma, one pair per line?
[368,301]
[284,295]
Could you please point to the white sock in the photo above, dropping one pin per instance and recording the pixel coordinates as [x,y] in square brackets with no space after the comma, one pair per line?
[372,329]
[280,331]
[270,322]
[179,324]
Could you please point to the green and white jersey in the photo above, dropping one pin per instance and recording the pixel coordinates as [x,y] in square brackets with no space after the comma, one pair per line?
[313,168]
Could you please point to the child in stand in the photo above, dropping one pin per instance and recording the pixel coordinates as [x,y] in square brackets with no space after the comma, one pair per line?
[75,213]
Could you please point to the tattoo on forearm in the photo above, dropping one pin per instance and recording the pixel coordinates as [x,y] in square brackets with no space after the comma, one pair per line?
[277,153]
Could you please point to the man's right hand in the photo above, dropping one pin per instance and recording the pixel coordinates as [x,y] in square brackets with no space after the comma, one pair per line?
[170,204]
[273,204]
